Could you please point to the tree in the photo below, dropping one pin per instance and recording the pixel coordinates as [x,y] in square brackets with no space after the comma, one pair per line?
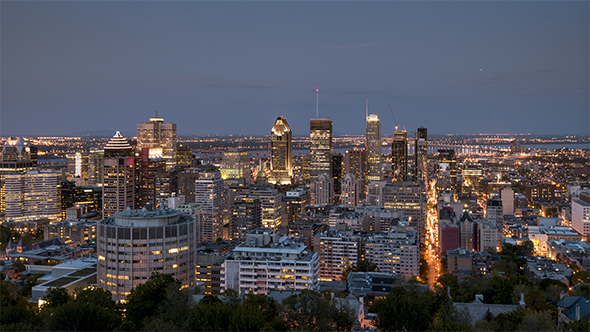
[580,276]
[406,308]
[310,310]
[537,321]
[362,265]
[144,299]
[449,318]
[56,296]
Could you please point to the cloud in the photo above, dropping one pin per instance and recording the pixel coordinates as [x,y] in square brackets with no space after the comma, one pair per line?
[517,76]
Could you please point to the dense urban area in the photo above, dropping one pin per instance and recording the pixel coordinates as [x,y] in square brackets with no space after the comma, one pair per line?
[152,231]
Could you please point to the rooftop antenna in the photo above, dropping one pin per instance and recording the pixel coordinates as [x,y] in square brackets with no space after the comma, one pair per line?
[317,99]
[367,108]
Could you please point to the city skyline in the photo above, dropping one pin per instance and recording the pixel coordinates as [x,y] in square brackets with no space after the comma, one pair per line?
[232,68]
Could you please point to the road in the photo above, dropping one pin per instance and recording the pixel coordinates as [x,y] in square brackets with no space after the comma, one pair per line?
[432,241]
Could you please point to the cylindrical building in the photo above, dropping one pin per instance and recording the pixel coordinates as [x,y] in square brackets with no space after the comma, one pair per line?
[134,244]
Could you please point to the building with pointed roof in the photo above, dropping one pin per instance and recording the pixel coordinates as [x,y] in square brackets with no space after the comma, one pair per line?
[281,163]
[118,191]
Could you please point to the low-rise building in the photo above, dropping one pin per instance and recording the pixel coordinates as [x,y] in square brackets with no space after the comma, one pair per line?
[396,252]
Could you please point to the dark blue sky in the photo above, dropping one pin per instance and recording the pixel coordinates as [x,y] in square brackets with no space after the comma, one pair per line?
[233,67]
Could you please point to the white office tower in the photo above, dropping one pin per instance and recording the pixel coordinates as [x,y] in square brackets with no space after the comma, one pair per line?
[395,252]
[351,188]
[322,190]
[507,196]
[581,214]
[488,235]
[134,244]
[208,194]
[374,149]
[271,205]
[267,261]
[32,195]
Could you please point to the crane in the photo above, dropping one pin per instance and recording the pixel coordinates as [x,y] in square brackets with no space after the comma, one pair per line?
[396,122]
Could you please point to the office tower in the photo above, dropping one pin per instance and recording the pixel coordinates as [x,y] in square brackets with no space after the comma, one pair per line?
[77,167]
[305,168]
[507,196]
[447,171]
[322,189]
[268,260]
[17,156]
[351,188]
[68,196]
[337,172]
[132,245]
[118,192]
[420,156]
[160,138]
[374,149]
[166,184]
[271,203]
[147,171]
[208,194]
[33,195]
[581,214]
[408,197]
[281,163]
[295,202]
[95,164]
[91,197]
[394,252]
[235,165]
[355,162]
[399,156]
[320,147]
[494,212]
[186,184]
[246,217]
[338,249]
[184,156]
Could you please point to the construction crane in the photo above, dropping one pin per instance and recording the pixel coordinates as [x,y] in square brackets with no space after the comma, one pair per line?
[396,122]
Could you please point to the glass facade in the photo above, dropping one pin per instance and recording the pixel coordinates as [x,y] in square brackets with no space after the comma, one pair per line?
[320,147]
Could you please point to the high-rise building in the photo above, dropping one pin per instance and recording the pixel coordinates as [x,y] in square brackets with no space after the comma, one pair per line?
[495,212]
[17,156]
[95,165]
[374,149]
[246,217]
[184,156]
[186,184]
[472,176]
[134,244]
[77,167]
[281,163]
[337,173]
[507,196]
[488,235]
[420,149]
[581,214]
[396,251]
[160,138]
[320,147]
[351,189]
[147,170]
[338,249]
[235,165]
[322,190]
[271,203]
[399,156]
[208,194]
[268,260]
[33,195]
[118,192]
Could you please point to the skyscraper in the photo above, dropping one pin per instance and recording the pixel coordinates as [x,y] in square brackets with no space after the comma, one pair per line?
[374,149]
[118,191]
[246,217]
[95,160]
[351,188]
[323,190]
[355,162]
[447,170]
[160,138]
[208,194]
[420,150]
[281,164]
[337,174]
[320,147]
[17,156]
[399,156]
[235,165]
